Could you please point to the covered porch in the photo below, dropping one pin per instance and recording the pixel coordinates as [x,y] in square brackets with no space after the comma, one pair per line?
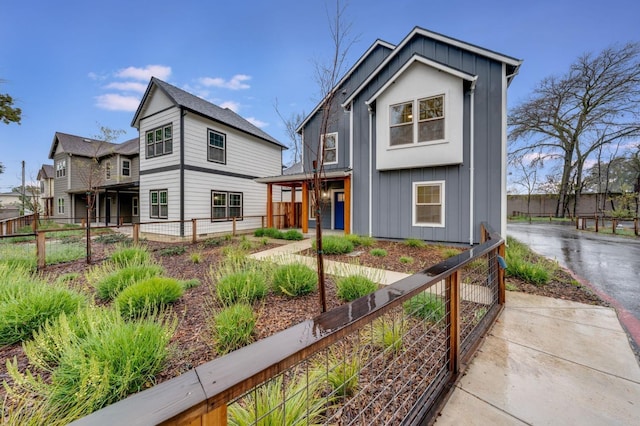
[335,200]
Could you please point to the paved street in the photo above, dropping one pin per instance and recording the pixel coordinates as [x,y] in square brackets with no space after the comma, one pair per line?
[610,264]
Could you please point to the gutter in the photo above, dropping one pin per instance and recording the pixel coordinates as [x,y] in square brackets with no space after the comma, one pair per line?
[472,91]
[370,170]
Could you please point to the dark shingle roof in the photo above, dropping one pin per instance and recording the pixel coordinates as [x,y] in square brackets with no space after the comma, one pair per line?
[86,147]
[46,172]
[205,108]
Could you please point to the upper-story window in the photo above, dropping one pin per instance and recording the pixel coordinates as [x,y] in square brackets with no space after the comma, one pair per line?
[126,168]
[61,168]
[160,141]
[406,128]
[107,170]
[330,148]
[217,147]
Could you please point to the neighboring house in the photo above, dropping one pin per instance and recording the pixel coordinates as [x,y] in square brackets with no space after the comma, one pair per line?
[417,142]
[200,161]
[46,178]
[10,205]
[84,166]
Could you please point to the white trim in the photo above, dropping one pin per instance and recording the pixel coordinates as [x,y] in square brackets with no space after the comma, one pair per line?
[442,38]
[428,62]
[332,194]
[503,168]
[442,203]
[370,234]
[471,163]
[347,75]
[351,136]
[337,141]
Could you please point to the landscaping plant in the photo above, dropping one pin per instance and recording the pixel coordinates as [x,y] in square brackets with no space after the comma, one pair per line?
[233,327]
[426,306]
[148,296]
[354,286]
[333,244]
[242,286]
[110,280]
[294,279]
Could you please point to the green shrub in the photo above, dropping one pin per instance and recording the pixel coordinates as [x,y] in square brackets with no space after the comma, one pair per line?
[33,307]
[129,256]
[106,366]
[112,283]
[294,402]
[212,242]
[378,252]
[426,306]
[406,259]
[268,232]
[113,238]
[292,235]
[360,240]
[448,252]
[172,251]
[146,296]
[354,286]
[187,284]
[387,334]
[233,327]
[340,371]
[333,244]
[295,279]
[241,286]
[414,242]
[521,264]
[196,257]
[246,244]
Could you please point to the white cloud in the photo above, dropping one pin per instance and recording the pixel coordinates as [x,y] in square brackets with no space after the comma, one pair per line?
[237,82]
[233,106]
[160,71]
[116,102]
[259,124]
[127,86]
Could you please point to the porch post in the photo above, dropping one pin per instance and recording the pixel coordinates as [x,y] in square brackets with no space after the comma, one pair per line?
[305,207]
[269,206]
[347,205]
[292,208]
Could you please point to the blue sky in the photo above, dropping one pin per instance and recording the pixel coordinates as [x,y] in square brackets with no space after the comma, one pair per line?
[73,66]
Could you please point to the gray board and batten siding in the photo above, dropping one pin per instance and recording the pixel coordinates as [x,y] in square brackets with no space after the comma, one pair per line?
[391,190]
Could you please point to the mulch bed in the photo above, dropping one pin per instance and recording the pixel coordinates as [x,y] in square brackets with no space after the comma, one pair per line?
[192,341]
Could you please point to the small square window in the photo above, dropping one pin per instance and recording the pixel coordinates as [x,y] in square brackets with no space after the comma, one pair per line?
[428,200]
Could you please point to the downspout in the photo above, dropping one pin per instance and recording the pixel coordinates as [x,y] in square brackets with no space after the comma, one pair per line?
[182,114]
[370,169]
[472,91]
[351,165]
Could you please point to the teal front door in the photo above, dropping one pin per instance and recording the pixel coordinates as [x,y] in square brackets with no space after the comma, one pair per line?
[338,210]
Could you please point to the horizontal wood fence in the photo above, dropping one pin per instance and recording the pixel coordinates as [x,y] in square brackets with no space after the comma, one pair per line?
[402,380]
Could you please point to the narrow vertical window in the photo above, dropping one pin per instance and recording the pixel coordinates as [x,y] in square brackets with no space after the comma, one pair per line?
[107,170]
[126,168]
[330,148]
[401,123]
[216,151]
[158,204]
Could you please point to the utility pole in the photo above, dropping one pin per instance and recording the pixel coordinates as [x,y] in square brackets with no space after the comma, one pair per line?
[22,191]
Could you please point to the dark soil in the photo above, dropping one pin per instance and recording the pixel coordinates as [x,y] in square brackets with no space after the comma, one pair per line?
[192,341]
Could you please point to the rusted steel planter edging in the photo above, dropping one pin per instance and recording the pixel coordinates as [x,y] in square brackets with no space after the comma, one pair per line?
[217,382]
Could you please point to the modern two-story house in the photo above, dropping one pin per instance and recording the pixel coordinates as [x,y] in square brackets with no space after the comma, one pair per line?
[416,142]
[84,166]
[198,160]
[46,180]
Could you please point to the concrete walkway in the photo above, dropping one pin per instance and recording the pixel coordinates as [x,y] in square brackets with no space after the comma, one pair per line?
[552,362]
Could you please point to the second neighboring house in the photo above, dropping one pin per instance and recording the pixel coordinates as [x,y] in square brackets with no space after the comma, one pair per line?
[416,143]
[198,160]
[46,179]
[84,166]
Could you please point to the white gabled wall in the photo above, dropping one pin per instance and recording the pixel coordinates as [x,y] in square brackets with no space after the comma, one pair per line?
[417,82]
[245,154]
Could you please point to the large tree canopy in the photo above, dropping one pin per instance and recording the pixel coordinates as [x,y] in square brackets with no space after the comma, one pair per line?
[569,118]
[9,113]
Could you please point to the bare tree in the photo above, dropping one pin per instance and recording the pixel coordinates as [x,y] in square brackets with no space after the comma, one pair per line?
[595,104]
[327,78]
[291,124]
[527,176]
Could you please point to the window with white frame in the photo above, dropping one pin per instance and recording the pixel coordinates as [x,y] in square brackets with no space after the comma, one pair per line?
[405,128]
[217,147]
[107,170]
[226,205]
[330,148]
[61,168]
[134,206]
[60,205]
[428,203]
[160,141]
[158,204]
[126,168]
